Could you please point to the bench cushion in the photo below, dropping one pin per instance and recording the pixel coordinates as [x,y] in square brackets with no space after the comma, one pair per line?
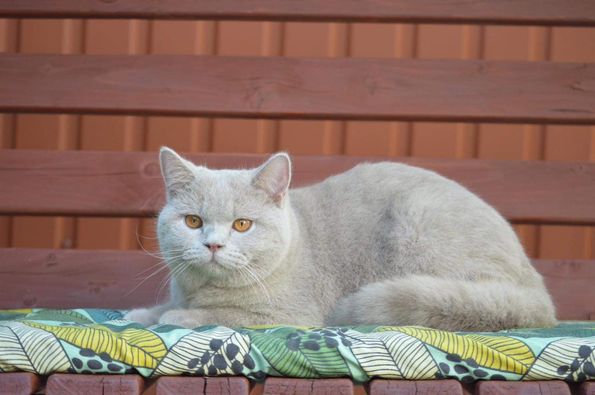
[99,341]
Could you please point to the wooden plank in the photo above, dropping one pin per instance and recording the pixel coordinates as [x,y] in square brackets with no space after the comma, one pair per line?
[79,278]
[18,383]
[522,388]
[98,278]
[87,384]
[299,88]
[129,184]
[201,385]
[414,387]
[290,386]
[587,388]
[519,12]
[571,285]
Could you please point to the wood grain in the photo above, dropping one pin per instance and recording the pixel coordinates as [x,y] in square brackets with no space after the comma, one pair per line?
[98,278]
[18,383]
[522,388]
[588,387]
[129,184]
[290,386]
[78,278]
[412,387]
[86,384]
[292,88]
[201,386]
[519,12]
[571,285]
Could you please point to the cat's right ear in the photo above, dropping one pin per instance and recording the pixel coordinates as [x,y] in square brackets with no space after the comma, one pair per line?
[274,177]
[176,171]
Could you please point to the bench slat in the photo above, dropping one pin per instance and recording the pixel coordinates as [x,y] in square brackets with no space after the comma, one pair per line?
[291,88]
[415,387]
[522,388]
[201,386]
[19,383]
[94,384]
[102,183]
[519,12]
[79,278]
[98,278]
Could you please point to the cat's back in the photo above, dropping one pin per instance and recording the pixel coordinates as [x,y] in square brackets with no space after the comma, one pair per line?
[374,216]
[378,185]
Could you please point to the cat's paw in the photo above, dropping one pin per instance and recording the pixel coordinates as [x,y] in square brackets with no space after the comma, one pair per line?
[186,318]
[142,316]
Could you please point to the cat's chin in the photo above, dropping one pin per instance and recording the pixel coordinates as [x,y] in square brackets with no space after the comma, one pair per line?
[212,268]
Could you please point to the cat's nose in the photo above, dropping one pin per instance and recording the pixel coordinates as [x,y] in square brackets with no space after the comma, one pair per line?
[213,247]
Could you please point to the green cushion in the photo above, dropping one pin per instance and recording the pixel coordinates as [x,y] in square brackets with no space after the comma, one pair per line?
[100,341]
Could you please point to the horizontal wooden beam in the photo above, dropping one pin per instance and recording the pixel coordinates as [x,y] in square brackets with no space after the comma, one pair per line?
[292,88]
[173,385]
[503,12]
[103,183]
[19,383]
[411,387]
[521,388]
[80,278]
[114,279]
[121,384]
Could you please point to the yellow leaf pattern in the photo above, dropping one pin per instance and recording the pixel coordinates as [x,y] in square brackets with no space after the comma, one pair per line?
[137,347]
[495,352]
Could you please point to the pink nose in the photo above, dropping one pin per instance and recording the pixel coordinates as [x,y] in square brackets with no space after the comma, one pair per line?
[213,247]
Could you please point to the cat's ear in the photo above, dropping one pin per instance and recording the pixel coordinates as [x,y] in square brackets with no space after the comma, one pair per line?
[176,171]
[274,177]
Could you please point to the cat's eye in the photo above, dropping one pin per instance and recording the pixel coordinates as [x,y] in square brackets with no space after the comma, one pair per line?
[193,221]
[242,225]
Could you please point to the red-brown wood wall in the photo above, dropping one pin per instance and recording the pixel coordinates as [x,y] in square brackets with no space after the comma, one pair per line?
[131,133]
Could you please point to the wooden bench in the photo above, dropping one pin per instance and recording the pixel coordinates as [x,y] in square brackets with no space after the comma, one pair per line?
[114,184]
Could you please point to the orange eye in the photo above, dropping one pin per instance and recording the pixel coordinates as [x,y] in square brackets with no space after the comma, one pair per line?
[193,221]
[242,225]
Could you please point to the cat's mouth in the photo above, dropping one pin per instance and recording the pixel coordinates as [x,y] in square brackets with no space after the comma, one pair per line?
[207,260]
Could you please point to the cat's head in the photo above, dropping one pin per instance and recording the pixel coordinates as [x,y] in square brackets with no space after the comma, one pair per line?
[225,225]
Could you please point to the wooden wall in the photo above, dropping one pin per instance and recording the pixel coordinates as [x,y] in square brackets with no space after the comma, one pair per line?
[130,133]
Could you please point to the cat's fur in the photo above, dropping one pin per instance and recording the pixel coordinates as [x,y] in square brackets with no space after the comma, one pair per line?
[382,243]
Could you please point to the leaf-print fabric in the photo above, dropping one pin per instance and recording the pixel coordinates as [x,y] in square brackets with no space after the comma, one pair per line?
[100,341]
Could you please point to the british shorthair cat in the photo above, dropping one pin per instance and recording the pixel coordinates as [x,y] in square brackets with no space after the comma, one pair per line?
[382,243]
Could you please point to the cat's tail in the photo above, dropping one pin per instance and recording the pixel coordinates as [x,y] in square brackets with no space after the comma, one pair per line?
[448,304]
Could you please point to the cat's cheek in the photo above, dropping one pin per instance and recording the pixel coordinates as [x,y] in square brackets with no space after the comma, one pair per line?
[186,318]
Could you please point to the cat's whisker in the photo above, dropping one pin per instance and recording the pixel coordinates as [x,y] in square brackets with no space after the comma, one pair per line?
[138,236]
[147,237]
[249,280]
[158,254]
[176,271]
[158,268]
[144,280]
[159,263]
[164,281]
[162,261]
[258,281]
[163,253]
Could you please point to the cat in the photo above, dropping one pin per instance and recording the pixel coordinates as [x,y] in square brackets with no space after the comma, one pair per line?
[382,243]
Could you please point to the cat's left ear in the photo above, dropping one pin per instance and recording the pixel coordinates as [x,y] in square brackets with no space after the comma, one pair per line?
[274,177]
[176,171]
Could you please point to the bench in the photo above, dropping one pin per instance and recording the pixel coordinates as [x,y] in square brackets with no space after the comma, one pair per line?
[128,184]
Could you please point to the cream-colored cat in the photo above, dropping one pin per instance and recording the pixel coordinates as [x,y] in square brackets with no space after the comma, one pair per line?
[381,243]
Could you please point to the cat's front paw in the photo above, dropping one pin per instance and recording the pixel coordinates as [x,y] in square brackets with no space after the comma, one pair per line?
[142,316]
[186,318]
